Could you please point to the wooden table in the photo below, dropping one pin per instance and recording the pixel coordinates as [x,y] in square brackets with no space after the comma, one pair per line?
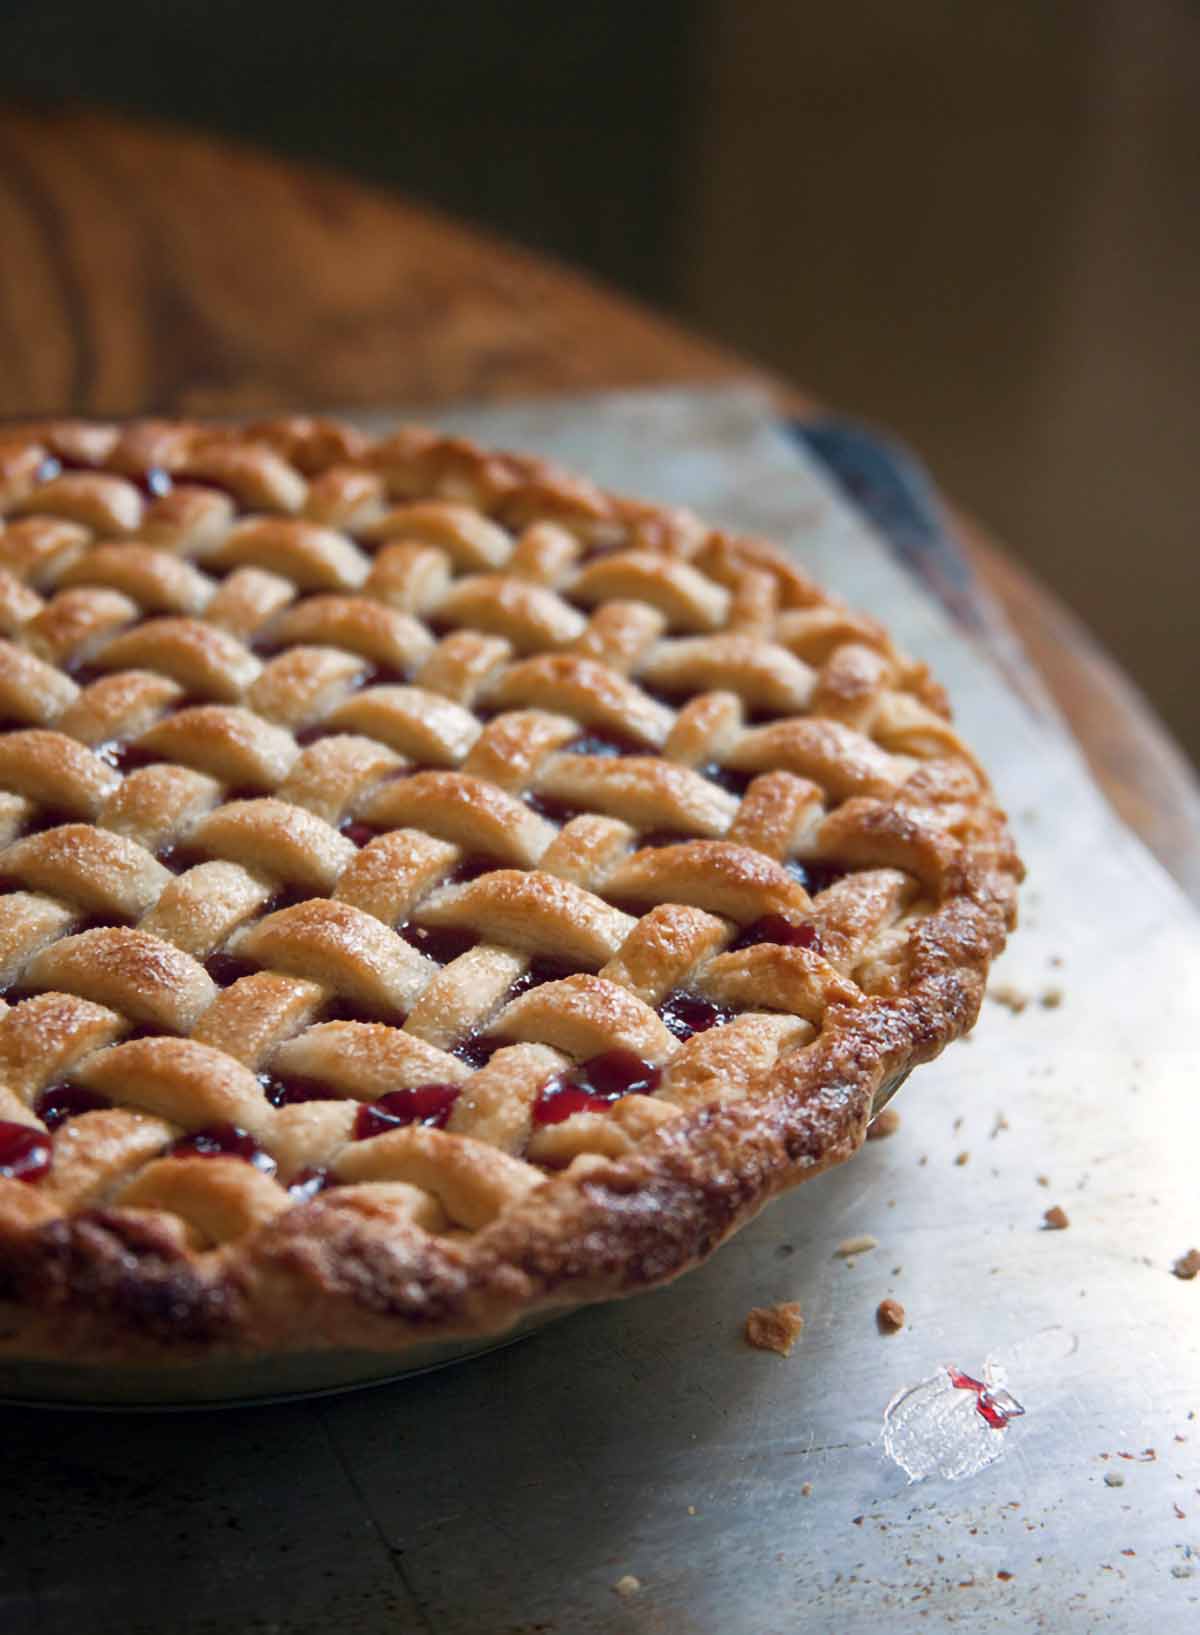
[148,270]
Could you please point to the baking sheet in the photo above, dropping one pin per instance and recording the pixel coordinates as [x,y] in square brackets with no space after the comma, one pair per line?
[511,1493]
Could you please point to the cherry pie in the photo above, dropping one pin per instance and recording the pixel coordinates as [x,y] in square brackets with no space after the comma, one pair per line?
[434,890]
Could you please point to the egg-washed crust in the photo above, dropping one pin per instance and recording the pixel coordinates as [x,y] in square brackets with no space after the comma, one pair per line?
[627,1203]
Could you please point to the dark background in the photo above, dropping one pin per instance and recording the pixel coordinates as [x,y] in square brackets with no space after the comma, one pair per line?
[975,222]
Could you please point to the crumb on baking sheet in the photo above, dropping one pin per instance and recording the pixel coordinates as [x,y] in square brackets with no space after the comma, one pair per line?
[1042,1180]
[628,1585]
[857,1245]
[1113,1478]
[1055,1219]
[889,1315]
[1050,998]
[806,1490]
[1187,1266]
[963,1158]
[775,1328]
[1009,995]
[884,1123]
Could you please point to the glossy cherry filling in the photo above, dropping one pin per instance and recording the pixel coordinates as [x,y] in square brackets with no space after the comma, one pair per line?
[730,780]
[477,1051]
[427,1104]
[540,971]
[288,1090]
[288,897]
[25,1153]
[125,757]
[360,833]
[815,877]
[154,482]
[687,1013]
[59,1102]
[594,1085]
[179,857]
[546,806]
[307,1183]
[777,929]
[440,943]
[226,969]
[344,1009]
[470,868]
[223,1141]
[48,818]
[993,1411]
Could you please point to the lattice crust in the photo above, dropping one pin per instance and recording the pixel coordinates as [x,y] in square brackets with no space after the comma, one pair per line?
[433,887]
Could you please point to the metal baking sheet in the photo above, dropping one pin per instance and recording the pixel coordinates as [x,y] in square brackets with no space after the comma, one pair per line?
[510,1494]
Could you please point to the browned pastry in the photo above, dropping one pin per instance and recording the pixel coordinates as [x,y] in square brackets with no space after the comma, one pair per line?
[435,890]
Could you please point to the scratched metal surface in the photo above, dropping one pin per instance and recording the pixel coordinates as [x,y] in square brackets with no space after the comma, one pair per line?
[508,1494]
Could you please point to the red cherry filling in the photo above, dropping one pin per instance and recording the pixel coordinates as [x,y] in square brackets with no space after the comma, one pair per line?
[288,1092]
[996,1414]
[359,833]
[815,877]
[428,1104]
[438,943]
[226,969]
[224,1141]
[471,868]
[732,781]
[557,811]
[25,1153]
[47,818]
[775,928]
[593,1086]
[59,1102]
[687,1013]
[125,757]
[559,1101]
[306,1183]
[478,1051]
[540,971]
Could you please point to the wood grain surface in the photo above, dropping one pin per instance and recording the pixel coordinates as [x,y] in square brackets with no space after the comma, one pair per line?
[150,270]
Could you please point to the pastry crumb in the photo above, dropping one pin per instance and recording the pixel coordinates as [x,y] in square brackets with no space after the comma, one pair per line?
[889,1315]
[1042,1180]
[629,1585]
[1187,1265]
[1113,1478]
[1056,1219]
[1010,996]
[806,1490]
[1050,998]
[885,1123]
[856,1246]
[775,1328]
[963,1158]
[691,1509]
